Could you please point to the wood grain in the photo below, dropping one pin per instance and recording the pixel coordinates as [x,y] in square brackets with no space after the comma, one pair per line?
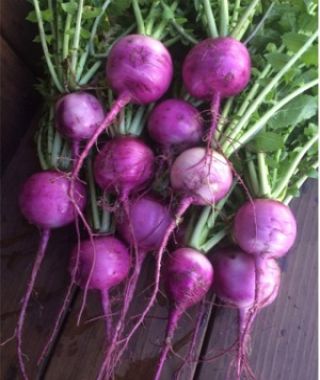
[284,343]
[19,242]
[19,101]
[19,33]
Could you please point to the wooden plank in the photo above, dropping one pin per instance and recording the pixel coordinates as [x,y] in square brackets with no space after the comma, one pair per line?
[86,342]
[19,244]
[19,33]
[284,344]
[18,101]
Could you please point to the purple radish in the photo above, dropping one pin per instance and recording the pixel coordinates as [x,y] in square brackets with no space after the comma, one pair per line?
[214,69]
[105,268]
[265,227]
[44,202]
[204,176]
[175,124]
[77,116]
[188,275]
[125,164]
[148,220]
[139,69]
[239,283]
[200,177]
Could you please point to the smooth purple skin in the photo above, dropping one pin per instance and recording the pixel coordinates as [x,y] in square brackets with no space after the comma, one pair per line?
[140,66]
[217,65]
[78,115]
[112,262]
[188,275]
[205,177]
[268,228]
[175,122]
[149,219]
[124,164]
[44,199]
[234,280]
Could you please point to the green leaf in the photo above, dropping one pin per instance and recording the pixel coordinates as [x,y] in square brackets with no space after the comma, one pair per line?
[277,60]
[313,173]
[294,41]
[301,108]
[266,142]
[46,15]
[85,33]
[308,23]
[311,56]
[32,17]
[90,12]
[71,7]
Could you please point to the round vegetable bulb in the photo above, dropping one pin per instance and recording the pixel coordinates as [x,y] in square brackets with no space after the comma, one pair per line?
[265,227]
[140,66]
[175,123]
[78,115]
[217,65]
[205,176]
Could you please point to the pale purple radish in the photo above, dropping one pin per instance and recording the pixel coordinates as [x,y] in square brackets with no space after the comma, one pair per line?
[44,202]
[247,283]
[77,116]
[265,227]
[176,125]
[214,69]
[199,177]
[188,275]
[105,263]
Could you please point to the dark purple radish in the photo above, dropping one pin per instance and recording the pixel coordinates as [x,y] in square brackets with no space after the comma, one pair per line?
[105,263]
[139,69]
[265,227]
[125,164]
[188,275]
[44,202]
[199,177]
[214,69]
[77,116]
[147,221]
[176,125]
[239,283]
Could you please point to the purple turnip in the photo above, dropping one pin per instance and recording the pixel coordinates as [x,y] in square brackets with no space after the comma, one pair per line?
[247,283]
[44,202]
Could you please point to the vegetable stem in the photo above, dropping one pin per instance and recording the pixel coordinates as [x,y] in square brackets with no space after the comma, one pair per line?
[265,189]
[76,39]
[224,17]
[265,118]
[253,177]
[213,31]
[245,104]
[216,238]
[93,196]
[90,73]
[245,21]
[298,184]
[195,239]
[66,37]
[291,170]
[44,45]
[138,16]
[260,98]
